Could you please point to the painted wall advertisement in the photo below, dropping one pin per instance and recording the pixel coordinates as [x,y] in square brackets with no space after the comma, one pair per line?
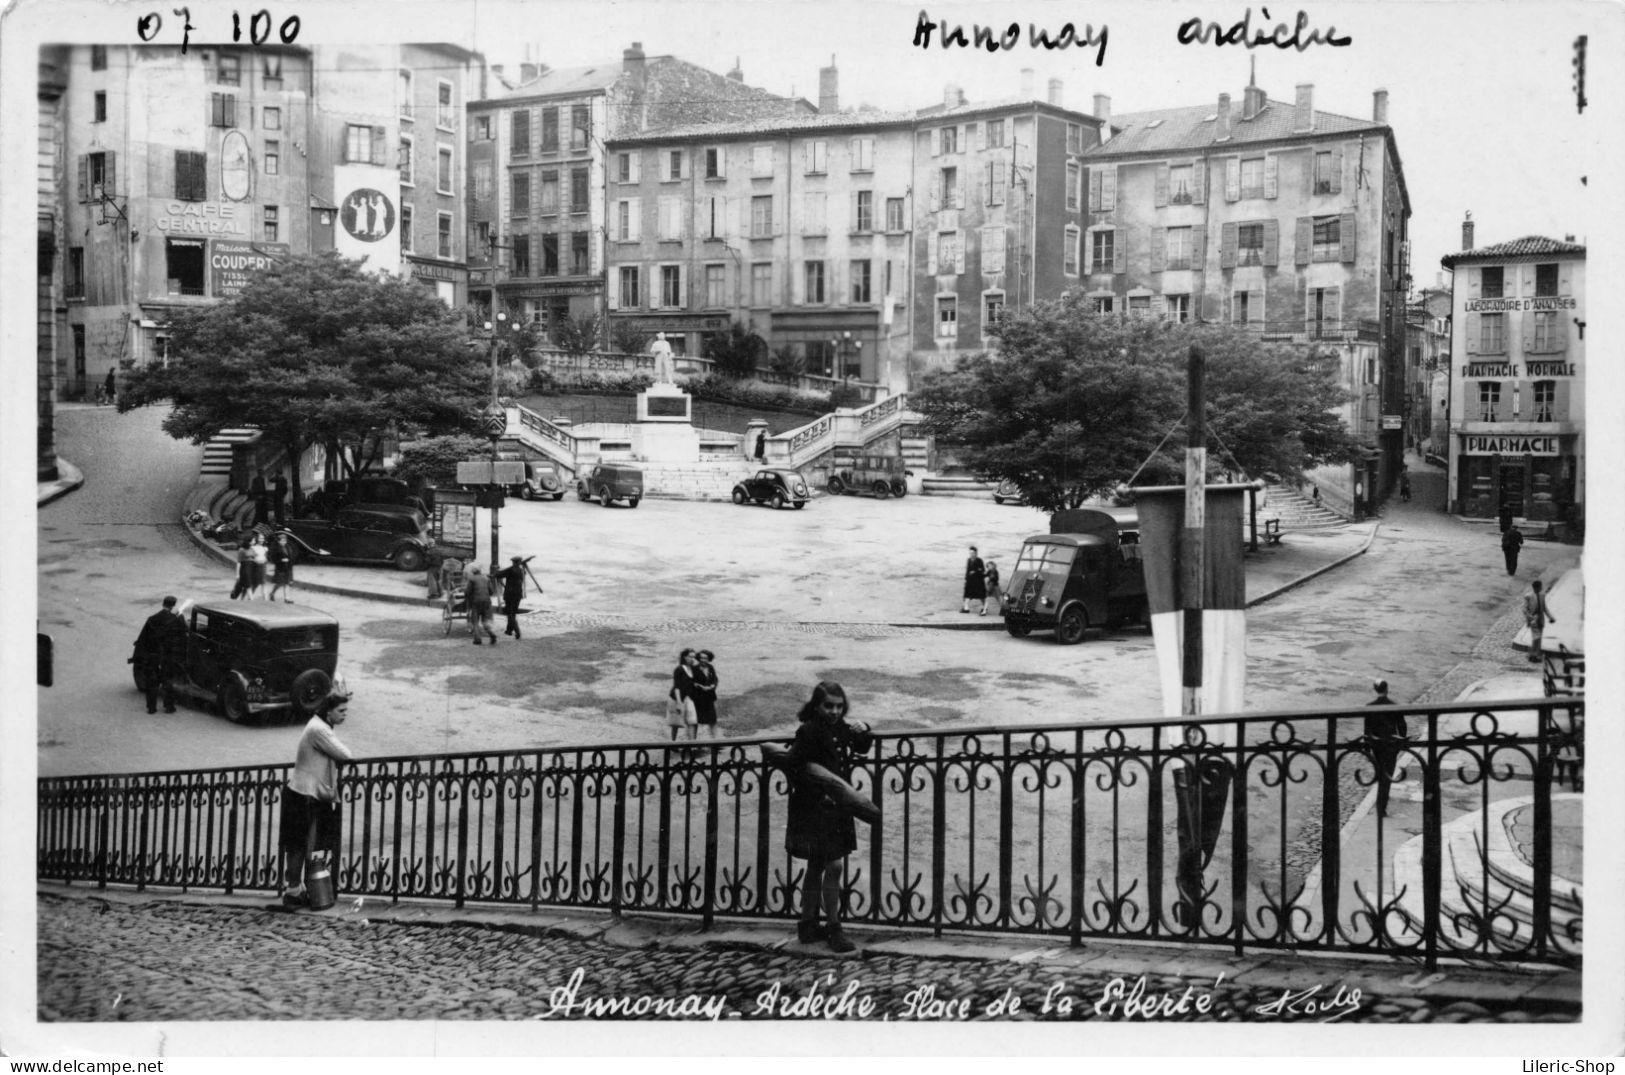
[230,264]
[369,215]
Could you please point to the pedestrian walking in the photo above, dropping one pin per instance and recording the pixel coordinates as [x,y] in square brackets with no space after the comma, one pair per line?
[280,555]
[1536,616]
[279,497]
[110,386]
[1405,487]
[819,830]
[258,558]
[991,578]
[975,581]
[513,591]
[262,498]
[1385,735]
[680,711]
[434,561]
[761,446]
[245,572]
[704,693]
[1314,495]
[310,802]
[1506,517]
[159,649]
[477,589]
[1511,545]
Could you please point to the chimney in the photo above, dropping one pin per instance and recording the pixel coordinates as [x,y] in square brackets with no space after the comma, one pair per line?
[1252,102]
[1056,97]
[828,98]
[632,64]
[738,73]
[1103,112]
[1303,114]
[496,69]
[528,72]
[951,97]
[1027,84]
[1221,133]
[1379,106]
[1569,237]
[1467,231]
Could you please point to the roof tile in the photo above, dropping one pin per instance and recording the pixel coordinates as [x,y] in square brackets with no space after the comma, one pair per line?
[1194,127]
[1527,247]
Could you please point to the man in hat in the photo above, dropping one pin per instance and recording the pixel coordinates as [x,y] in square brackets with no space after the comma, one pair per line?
[159,649]
[310,802]
[513,591]
[477,589]
[1385,735]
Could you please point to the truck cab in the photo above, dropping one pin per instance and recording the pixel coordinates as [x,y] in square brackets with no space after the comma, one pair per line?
[1086,572]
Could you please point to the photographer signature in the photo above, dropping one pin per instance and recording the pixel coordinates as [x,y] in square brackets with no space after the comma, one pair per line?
[1310,1002]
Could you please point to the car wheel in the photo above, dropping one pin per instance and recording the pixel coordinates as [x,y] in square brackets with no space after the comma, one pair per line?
[632,502]
[409,558]
[526,494]
[998,500]
[778,501]
[800,504]
[581,492]
[899,487]
[232,698]
[1018,628]
[604,498]
[837,486]
[1072,625]
[739,496]
[558,495]
[881,490]
[308,690]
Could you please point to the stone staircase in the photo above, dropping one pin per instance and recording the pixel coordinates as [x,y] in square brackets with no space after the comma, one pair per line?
[1297,510]
[217,451]
[949,484]
[693,481]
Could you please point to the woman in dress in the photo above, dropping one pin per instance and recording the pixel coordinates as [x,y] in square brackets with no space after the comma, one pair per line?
[256,567]
[682,715]
[819,831]
[705,693]
[281,557]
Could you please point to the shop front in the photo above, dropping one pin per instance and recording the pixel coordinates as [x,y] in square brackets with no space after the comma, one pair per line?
[685,332]
[1532,476]
[447,279]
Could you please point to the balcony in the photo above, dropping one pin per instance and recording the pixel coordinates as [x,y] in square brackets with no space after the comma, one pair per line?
[1360,329]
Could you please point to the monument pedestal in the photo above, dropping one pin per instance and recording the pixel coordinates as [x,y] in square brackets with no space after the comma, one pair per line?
[665,432]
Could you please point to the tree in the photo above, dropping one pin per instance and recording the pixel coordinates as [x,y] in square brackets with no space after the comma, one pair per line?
[628,338]
[577,336]
[434,460]
[735,351]
[785,360]
[1074,404]
[316,351]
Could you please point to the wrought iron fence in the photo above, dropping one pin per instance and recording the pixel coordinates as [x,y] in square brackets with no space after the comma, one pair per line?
[1071,831]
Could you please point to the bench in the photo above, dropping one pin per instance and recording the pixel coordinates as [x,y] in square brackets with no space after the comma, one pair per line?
[1272,531]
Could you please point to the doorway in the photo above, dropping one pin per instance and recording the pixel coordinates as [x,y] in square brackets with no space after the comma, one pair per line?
[1511,484]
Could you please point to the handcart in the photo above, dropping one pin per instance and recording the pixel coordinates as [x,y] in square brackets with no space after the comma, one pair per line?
[453,602]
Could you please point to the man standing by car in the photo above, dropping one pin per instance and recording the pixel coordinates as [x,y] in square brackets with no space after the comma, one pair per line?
[310,802]
[513,592]
[159,651]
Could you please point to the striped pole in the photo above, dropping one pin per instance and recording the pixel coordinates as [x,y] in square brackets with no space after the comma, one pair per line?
[1192,572]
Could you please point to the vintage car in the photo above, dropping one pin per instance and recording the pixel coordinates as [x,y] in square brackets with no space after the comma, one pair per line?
[880,476]
[256,659]
[609,482]
[1086,572]
[1009,492]
[541,482]
[365,490]
[368,533]
[777,486]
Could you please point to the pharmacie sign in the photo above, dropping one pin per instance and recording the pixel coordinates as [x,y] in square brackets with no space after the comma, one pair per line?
[230,264]
[1484,445]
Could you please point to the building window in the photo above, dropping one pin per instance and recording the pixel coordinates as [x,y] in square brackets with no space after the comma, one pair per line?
[950,253]
[630,297]
[1546,337]
[550,254]
[1139,306]
[670,217]
[814,275]
[671,286]
[184,267]
[550,193]
[223,110]
[406,96]
[1328,237]
[1489,401]
[273,156]
[578,190]
[1250,244]
[75,283]
[814,219]
[521,194]
[404,161]
[443,178]
[995,182]
[862,287]
[1102,250]
[1102,190]
[715,285]
[1324,311]
[894,214]
[761,161]
[674,169]
[947,316]
[1325,173]
[271,72]
[580,254]
[715,212]
[1074,138]
[1545,280]
[97,177]
[519,247]
[100,105]
[950,140]
[626,220]
[273,118]
[1494,281]
[1246,307]
[948,190]
[228,70]
[1074,177]
[1069,250]
[406,229]
[191,175]
[863,211]
[580,126]
[98,57]
[995,139]
[1545,399]
[993,244]
[1103,305]
[271,217]
[992,301]
[1252,177]
[1178,248]
[357,144]
[1177,307]
[443,233]
[863,154]
[761,216]
[1181,184]
[1492,333]
[550,130]
[482,128]
[761,283]
[520,130]
[626,167]
[445,116]
[713,162]
[817,156]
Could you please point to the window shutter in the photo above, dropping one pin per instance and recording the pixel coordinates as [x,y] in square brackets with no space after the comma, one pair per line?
[378,145]
[1119,250]
[682,287]
[992,250]
[1271,176]
[1232,179]
[1227,245]
[1337,170]
[935,138]
[1255,305]
[931,254]
[1160,192]
[1472,334]
[634,166]
[84,178]
[1565,282]
[634,219]
[1199,183]
[1094,190]
[746,217]
[110,177]
[1309,172]
[1108,189]
[1345,237]
[612,292]
[1198,248]
[959,192]
[1303,239]
[1159,307]
[1475,283]
[1332,306]
[936,198]
[1308,311]
[1159,246]
[1272,242]
[959,252]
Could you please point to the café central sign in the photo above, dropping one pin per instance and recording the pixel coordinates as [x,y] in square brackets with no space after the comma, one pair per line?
[1512,445]
[201,218]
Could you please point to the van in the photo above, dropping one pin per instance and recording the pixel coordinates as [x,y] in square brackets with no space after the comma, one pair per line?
[1086,572]
[609,482]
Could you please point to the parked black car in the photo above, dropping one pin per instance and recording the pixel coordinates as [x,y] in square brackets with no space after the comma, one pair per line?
[773,485]
[369,533]
[256,659]
[367,489]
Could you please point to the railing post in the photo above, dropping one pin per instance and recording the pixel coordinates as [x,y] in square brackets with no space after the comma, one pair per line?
[231,839]
[578,810]
[618,838]
[536,835]
[101,838]
[142,866]
[1432,853]
[764,830]
[1238,839]
[710,884]
[1545,755]
[1331,849]
[1153,833]
[1006,832]
[939,825]
[1078,850]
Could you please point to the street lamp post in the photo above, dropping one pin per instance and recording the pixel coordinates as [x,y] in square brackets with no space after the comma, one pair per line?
[844,347]
[494,419]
